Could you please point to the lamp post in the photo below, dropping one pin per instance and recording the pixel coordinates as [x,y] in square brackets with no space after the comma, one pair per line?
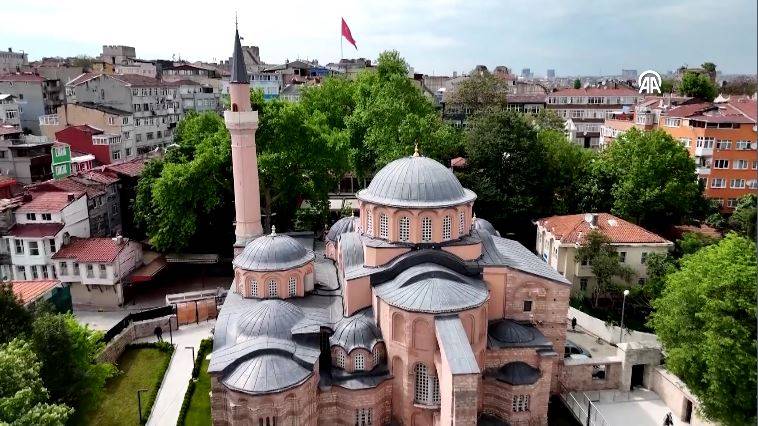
[193,352]
[623,305]
[139,403]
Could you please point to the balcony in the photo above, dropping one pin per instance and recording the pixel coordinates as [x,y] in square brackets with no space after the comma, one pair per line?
[49,120]
[703,152]
[703,170]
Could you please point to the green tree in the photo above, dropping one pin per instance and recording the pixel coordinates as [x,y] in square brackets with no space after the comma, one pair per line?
[568,171]
[597,251]
[15,318]
[705,320]
[667,85]
[577,84]
[691,242]
[23,397]
[698,86]
[653,179]
[546,119]
[743,219]
[68,352]
[481,91]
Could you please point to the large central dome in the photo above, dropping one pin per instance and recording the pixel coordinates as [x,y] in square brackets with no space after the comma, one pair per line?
[415,182]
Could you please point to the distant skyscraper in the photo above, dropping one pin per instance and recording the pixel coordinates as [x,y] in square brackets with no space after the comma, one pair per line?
[628,74]
[551,74]
[526,73]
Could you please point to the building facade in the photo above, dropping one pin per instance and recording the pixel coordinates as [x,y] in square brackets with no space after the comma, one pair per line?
[559,238]
[26,158]
[11,61]
[10,113]
[35,96]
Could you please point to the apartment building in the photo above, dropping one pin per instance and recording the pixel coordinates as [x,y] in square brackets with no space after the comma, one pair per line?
[138,67]
[10,113]
[196,96]
[585,110]
[66,162]
[269,83]
[44,223]
[105,147]
[26,158]
[8,208]
[35,96]
[559,237]
[96,269]
[11,61]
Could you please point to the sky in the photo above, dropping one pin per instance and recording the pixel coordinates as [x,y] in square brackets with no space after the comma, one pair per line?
[574,37]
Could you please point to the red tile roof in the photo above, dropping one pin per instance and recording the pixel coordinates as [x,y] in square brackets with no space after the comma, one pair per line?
[571,229]
[745,106]
[35,230]
[136,80]
[82,78]
[131,168]
[46,202]
[66,185]
[723,118]
[9,130]
[689,110]
[595,91]
[100,175]
[30,291]
[29,78]
[100,250]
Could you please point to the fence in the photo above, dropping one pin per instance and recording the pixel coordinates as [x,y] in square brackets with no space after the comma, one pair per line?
[583,408]
[137,316]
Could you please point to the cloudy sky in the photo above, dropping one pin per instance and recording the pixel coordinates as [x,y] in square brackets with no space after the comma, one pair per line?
[440,36]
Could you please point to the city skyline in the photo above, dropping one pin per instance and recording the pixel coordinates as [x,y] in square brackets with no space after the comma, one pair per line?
[436,38]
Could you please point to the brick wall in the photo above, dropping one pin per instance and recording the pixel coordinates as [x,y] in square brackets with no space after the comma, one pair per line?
[134,331]
[576,375]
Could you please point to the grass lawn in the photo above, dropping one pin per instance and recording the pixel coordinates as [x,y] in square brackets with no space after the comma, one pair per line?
[199,412]
[141,368]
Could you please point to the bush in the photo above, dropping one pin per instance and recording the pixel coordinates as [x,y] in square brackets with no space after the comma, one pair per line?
[206,346]
[153,395]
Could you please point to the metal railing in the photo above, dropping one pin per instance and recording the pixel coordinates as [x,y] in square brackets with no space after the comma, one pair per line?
[583,408]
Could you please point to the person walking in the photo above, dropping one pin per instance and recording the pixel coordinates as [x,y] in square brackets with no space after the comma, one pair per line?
[668,420]
[158,333]
[573,324]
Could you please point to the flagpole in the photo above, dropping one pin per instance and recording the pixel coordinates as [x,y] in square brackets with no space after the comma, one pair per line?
[342,55]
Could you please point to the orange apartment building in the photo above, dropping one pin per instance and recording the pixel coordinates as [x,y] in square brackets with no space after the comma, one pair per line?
[721,137]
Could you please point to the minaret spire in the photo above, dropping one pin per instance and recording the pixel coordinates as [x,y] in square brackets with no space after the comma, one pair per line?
[239,70]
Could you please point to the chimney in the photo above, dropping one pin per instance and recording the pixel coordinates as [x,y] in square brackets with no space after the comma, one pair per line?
[26,197]
[71,196]
[593,223]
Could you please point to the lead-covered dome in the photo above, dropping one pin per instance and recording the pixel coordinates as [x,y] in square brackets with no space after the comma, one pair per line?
[271,318]
[345,224]
[357,331]
[273,252]
[415,182]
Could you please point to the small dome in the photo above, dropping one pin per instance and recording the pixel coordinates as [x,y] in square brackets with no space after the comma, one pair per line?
[507,331]
[273,252]
[351,250]
[345,224]
[266,373]
[418,182]
[357,331]
[268,318]
[518,373]
[486,226]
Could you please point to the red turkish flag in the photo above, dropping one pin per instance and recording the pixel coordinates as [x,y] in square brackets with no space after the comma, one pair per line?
[346,33]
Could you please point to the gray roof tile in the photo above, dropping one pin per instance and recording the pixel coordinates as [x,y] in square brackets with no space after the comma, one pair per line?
[455,345]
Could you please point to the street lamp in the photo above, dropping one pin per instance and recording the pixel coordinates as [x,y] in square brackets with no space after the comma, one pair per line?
[623,305]
[193,352]
[139,403]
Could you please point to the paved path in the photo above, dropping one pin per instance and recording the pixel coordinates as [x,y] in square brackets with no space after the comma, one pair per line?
[171,394]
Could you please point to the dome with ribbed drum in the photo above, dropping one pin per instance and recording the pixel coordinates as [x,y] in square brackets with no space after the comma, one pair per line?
[273,252]
[346,224]
[271,318]
[507,331]
[356,331]
[415,182]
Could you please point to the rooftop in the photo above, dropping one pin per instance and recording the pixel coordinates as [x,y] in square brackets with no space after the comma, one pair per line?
[35,230]
[102,108]
[28,78]
[31,290]
[131,168]
[572,229]
[136,80]
[47,202]
[595,91]
[97,250]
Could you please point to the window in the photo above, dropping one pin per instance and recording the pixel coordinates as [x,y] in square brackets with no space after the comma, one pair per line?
[685,142]
[755,165]
[383,226]
[360,362]
[339,358]
[737,183]
[51,244]
[21,272]
[33,248]
[47,216]
[422,384]
[31,216]
[64,268]
[128,151]
[19,246]
[622,256]
[643,257]
[527,305]
[116,155]
[720,164]
[703,142]
[718,183]
[520,403]
[672,122]
[743,145]
[752,184]
[35,274]
[272,288]
[741,164]
[292,286]
[254,288]
[426,230]
[405,228]
[447,225]
[363,417]
[138,137]
[44,271]
[76,269]
[103,271]
[369,223]
[731,202]
[583,284]
[90,271]
[377,355]
[724,144]
[461,223]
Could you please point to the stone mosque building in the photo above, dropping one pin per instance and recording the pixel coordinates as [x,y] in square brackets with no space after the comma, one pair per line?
[415,312]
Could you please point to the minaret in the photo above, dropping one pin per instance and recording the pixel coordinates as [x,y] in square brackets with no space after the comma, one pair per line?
[242,123]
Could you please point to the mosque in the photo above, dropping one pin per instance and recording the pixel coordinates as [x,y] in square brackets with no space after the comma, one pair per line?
[414,312]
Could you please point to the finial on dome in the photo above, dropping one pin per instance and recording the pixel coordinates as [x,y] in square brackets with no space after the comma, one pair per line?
[415,150]
[273,230]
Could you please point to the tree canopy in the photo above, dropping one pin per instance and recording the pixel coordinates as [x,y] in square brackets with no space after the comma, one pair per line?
[705,320]
[743,219]
[697,85]
[601,256]
[481,91]
[15,318]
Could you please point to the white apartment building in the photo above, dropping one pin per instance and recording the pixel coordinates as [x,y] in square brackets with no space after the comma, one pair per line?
[197,97]
[96,269]
[559,237]
[43,224]
[11,61]
[10,111]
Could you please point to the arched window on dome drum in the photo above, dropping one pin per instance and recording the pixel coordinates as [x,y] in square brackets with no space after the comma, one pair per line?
[377,354]
[292,287]
[359,363]
[369,223]
[272,288]
[384,226]
[461,223]
[447,228]
[427,389]
[426,230]
[339,359]
[405,228]
[254,288]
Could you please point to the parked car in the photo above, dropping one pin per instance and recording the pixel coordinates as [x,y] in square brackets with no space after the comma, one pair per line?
[572,348]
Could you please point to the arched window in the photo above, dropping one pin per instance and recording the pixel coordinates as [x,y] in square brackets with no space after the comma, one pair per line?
[359,362]
[292,287]
[426,230]
[339,358]
[384,228]
[520,403]
[447,228]
[369,223]
[405,228]
[461,223]
[427,390]
[254,288]
[272,288]
[377,354]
